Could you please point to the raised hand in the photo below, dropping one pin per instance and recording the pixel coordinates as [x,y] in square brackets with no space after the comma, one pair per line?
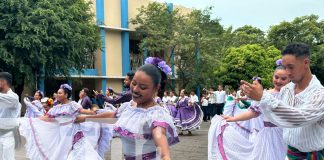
[95,92]
[254,91]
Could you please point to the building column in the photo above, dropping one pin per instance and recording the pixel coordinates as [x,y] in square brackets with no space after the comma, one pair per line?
[100,18]
[125,37]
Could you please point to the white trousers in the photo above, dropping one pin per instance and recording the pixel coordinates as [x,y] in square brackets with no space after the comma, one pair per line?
[7,146]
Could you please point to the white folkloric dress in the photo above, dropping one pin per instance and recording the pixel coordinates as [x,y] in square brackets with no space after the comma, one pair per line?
[61,139]
[226,143]
[246,128]
[135,125]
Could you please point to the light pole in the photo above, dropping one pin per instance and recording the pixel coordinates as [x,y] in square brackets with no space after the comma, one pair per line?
[198,63]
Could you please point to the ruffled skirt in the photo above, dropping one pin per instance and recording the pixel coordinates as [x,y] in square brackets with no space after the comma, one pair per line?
[189,117]
[53,141]
[225,142]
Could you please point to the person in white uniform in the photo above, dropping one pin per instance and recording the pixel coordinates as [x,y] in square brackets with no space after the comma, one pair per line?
[9,113]
[165,98]
[173,98]
[220,100]
[193,97]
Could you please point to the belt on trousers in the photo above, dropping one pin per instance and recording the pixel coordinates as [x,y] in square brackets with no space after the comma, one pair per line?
[295,154]
[269,124]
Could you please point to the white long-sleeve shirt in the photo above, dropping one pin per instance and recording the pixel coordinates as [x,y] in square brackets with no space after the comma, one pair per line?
[194,99]
[301,115]
[9,110]
[220,96]
[173,99]
[165,99]
[212,97]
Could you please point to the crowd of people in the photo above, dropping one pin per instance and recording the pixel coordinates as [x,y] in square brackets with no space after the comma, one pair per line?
[251,123]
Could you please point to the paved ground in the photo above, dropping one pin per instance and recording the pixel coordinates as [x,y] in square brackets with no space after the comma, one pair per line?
[190,147]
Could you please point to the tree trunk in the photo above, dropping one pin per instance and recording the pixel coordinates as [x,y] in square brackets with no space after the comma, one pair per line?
[19,87]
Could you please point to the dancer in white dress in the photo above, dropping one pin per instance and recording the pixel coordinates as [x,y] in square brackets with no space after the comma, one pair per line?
[225,142]
[145,128]
[236,105]
[34,107]
[56,136]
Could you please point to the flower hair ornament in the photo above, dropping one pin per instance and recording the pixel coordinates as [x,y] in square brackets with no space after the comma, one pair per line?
[279,62]
[160,64]
[66,86]
[48,101]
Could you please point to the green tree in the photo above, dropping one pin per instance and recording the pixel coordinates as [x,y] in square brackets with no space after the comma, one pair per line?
[306,29]
[222,42]
[248,35]
[317,62]
[46,37]
[156,26]
[162,30]
[244,62]
[195,47]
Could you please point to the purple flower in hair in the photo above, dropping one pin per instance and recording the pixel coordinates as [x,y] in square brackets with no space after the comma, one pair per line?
[159,63]
[66,86]
[279,62]
[149,60]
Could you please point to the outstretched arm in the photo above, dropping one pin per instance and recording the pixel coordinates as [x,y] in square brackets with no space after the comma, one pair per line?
[281,113]
[284,115]
[242,117]
[32,106]
[117,100]
[46,118]
[89,112]
[107,117]
[118,94]
[160,139]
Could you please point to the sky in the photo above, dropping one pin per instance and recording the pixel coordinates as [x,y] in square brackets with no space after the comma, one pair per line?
[258,13]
